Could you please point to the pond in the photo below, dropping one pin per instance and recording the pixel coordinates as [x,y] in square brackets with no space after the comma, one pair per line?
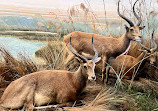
[15,46]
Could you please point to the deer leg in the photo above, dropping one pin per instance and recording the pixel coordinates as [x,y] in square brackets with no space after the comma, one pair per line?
[107,74]
[104,60]
[66,104]
[29,105]
[110,61]
[29,99]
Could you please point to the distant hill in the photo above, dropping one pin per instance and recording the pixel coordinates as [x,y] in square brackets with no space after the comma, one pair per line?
[29,23]
[19,23]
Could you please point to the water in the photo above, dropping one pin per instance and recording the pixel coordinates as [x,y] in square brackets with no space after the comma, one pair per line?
[16,46]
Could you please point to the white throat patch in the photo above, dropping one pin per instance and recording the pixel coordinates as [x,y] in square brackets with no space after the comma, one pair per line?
[126,49]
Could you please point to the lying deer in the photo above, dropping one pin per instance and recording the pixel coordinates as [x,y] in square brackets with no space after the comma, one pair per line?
[107,47]
[152,52]
[126,65]
[49,86]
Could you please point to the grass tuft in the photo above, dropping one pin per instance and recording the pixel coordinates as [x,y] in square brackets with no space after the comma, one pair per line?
[11,68]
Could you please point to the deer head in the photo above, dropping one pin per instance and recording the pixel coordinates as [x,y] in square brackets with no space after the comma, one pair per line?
[87,66]
[151,52]
[132,32]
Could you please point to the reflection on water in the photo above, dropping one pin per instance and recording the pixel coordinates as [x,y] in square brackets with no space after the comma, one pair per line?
[15,46]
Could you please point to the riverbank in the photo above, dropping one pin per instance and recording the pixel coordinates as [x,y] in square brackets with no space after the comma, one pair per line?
[31,35]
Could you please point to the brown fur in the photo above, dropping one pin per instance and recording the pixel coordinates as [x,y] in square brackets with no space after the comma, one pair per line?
[81,43]
[44,87]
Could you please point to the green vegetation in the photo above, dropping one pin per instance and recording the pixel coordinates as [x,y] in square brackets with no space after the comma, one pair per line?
[145,101]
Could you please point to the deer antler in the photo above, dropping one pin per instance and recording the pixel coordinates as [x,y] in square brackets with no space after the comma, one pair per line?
[136,15]
[126,19]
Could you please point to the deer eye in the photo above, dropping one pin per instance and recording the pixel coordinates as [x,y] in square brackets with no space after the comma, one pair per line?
[85,67]
[131,30]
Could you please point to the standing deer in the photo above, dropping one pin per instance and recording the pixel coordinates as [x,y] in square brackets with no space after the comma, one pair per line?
[128,64]
[49,86]
[107,47]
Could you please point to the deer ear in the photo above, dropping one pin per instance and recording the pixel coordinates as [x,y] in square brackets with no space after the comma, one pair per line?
[142,27]
[126,27]
[97,59]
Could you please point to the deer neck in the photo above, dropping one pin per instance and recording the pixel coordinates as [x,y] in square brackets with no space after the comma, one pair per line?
[81,79]
[124,44]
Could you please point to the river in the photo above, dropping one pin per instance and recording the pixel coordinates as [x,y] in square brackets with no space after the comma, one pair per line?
[15,46]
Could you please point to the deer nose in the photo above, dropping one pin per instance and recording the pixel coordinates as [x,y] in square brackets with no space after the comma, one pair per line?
[139,39]
[140,36]
[93,77]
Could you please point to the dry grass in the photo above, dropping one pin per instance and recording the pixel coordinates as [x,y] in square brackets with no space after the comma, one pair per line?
[52,54]
[11,68]
[104,99]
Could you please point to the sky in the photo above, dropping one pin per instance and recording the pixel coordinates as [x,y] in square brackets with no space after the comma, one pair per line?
[110,5]
[60,4]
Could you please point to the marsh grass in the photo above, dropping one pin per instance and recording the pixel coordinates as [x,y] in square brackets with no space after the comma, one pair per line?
[52,54]
[11,68]
[106,99]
